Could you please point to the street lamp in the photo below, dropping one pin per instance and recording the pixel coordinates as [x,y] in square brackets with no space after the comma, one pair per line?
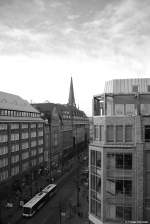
[47,119]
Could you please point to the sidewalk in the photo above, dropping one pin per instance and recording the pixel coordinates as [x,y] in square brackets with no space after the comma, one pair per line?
[80,216]
[13,214]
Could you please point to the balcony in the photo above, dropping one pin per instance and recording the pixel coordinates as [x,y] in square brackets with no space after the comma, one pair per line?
[115,173]
[120,198]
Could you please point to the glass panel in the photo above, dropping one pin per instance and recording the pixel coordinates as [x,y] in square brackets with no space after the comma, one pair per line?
[128,133]
[98,209]
[128,161]
[130,109]
[147,133]
[119,109]
[110,133]
[119,161]
[119,133]
[98,159]
[93,160]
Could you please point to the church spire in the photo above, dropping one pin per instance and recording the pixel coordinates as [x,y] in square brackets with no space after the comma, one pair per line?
[71,100]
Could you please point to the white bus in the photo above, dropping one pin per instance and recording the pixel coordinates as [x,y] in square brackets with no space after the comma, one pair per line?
[32,206]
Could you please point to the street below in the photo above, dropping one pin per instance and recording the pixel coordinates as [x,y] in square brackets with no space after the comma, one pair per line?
[62,206]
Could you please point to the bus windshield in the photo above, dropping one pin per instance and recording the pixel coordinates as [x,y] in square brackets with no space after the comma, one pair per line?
[27,210]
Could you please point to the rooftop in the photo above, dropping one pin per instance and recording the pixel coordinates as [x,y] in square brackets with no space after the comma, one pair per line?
[14,102]
[126,86]
[61,108]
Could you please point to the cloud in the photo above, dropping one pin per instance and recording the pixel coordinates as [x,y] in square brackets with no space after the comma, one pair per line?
[118,30]
[56,4]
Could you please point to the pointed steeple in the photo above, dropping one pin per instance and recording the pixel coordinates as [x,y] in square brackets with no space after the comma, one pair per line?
[71,100]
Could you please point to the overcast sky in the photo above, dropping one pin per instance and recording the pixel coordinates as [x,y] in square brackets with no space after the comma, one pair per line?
[45,42]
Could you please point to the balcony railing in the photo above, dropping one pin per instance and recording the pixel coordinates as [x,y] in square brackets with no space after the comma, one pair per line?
[115,173]
[120,198]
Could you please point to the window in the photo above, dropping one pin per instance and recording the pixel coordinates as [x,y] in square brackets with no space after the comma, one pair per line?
[130,109]
[119,161]
[119,186]
[148,88]
[98,209]
[40,133]
[3,150]
[135,88]
[3,138]
[3,175]
[128,161]
[124,187]
[25,145]
[109,106]
[3,126]
[33,143]
[119,133]
[15,159]
[33,162]
[14,148]
[25,135]
[40,125]
[93,206]
[25,166]
[24,126]
[40,159]
[110,160]
[3,112]
[110,186]
[147,133]
[93,157]
[95,132]
[119,212]
[124,161]
[15,137]
[33,125]
[128,133]
[14,126]
[119,109]
[14,170]
[98,187]
[25,155]
[40,142]
[101,133]
[124,212]
[40,150]
[33,152]
[11,113]
[128,187]
[93,182]
[33,134]
[110,133]
[14,113]
[145,109]
[98,159]
[3,162]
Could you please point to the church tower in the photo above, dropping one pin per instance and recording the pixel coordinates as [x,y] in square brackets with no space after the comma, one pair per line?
[71,100]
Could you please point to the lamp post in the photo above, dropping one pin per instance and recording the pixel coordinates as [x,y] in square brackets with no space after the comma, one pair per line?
[47,118]
[49,144]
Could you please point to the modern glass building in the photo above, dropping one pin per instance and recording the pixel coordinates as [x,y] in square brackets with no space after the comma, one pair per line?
[119,155]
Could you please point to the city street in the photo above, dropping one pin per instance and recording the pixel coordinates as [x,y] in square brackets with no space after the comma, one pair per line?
[62,206]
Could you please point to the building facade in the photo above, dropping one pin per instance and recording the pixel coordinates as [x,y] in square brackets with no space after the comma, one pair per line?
[68,131]
[119,156]
[21,137]
[91,129]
